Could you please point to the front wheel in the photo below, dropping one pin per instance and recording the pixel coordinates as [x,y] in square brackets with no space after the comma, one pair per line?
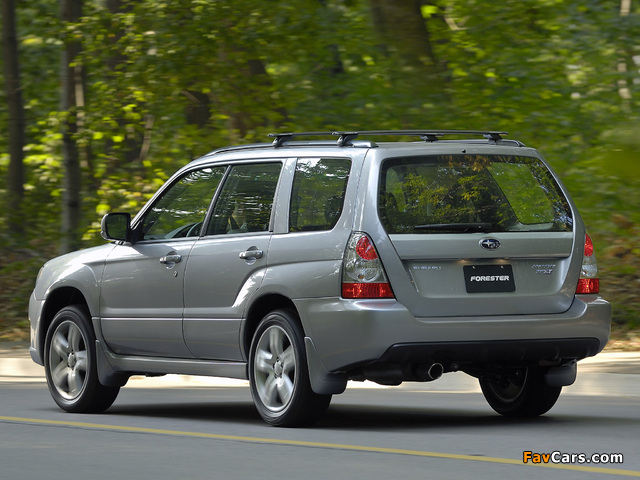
[279,376]
[70,364]
[521,393]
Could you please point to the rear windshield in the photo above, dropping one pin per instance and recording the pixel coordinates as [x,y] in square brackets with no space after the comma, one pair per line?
[470,193]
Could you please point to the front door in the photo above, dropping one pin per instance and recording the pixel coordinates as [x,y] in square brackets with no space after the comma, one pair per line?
[142,300]
[142,297]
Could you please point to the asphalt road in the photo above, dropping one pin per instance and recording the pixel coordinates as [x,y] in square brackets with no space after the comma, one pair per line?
[202,428]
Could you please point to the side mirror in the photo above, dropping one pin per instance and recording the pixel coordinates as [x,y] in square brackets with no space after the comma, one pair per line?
[116,227]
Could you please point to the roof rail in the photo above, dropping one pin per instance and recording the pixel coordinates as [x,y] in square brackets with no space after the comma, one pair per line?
[345,138]
[231,148]
[430,135]
[281,138]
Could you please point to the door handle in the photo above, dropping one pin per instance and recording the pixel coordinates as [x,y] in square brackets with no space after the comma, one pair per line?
[171,259]
[251,254]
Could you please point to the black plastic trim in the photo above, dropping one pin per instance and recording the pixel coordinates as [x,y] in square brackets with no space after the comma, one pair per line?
[492,351]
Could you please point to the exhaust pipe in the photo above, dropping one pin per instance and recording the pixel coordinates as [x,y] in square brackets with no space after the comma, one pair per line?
[429,371]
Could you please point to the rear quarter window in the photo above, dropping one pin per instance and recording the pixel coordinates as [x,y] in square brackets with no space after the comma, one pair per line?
[317,197]
[470,193]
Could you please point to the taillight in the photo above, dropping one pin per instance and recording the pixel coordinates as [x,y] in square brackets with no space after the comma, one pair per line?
[362,272]
[589,281]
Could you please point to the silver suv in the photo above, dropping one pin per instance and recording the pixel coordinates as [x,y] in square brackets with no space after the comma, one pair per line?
[326,257]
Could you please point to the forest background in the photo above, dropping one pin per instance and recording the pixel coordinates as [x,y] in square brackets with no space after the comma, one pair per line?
[104,99]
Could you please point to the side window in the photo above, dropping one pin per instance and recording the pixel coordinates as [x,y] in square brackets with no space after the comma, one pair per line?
[317,198]
[246,199]
[181,209]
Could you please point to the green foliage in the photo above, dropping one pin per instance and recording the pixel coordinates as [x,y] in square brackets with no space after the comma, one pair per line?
[167,81]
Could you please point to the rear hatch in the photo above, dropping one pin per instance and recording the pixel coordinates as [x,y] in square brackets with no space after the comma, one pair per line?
[478,234]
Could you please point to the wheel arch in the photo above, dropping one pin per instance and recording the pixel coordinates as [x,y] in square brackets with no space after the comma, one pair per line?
[257,311]
[56,301]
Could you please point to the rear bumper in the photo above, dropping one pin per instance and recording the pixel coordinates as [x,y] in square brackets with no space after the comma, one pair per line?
[351,333]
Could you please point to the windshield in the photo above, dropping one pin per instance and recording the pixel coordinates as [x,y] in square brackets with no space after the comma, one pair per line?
[470,193]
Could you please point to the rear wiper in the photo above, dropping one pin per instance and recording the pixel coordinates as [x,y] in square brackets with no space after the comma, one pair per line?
[456,227]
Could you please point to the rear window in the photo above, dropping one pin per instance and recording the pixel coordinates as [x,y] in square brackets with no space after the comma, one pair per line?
[246,199]
[471,193]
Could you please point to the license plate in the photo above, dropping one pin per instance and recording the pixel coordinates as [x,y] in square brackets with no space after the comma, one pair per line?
[489,278]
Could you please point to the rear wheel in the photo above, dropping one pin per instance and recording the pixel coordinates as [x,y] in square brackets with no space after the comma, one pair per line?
[70,364]
[279,375]
[522,393]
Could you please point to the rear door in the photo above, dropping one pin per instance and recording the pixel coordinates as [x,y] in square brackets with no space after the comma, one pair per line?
[228,263]
[477,234]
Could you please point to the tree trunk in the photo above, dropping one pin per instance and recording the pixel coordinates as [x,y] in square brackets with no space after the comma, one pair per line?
[15,178]
[406,43]
[136,143]
[626,59]
[403,31]
[72,102]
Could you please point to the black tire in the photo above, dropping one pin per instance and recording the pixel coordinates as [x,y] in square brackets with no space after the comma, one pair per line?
[524,393]
[70,364]
[279,376]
